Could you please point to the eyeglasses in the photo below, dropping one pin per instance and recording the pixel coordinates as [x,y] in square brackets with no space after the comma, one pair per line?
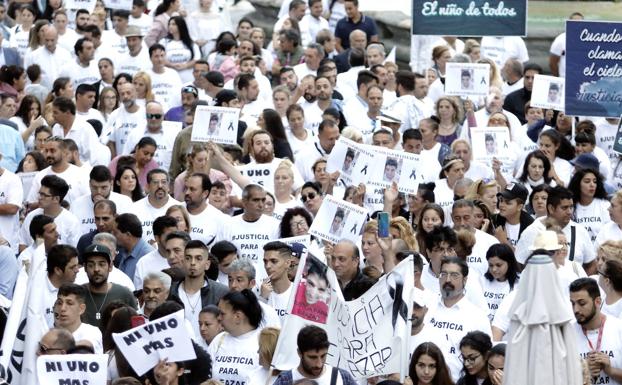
[453,275]
[447,250]
[154,116]
[304,198]
[470,359]
[45,195]
[295,225]
[602,273]
[44,349]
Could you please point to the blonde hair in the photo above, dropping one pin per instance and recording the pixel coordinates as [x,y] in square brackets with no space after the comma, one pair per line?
[466,241]
[495,76]
[247,143]
[183,211]
[456,142]
[612,249]
[476,190]
[141,75]
[286,165]
[267,342]
[406,232]
[371,227]
[353,134]
[197,148]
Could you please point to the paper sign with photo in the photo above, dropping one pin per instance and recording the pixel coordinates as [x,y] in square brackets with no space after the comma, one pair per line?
[119,4]
[218,124]
[467,79]
[490,142]
[337,219]
[352,160]
[145,345]
[89,369]
[89,5]
[312,296]
[396,166]
[304,240]
[548,92]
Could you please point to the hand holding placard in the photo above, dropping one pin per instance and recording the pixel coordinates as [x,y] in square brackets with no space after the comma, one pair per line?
[165,338]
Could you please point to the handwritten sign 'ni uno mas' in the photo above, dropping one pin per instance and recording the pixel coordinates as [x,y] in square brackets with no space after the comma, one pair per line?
[72,369]
[469,17]
[145,345]
[593,68]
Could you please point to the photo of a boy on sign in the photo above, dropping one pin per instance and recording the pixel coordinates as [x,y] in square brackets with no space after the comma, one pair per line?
[214,123]
[313,292]
[553,94]
[348,161]
[491,144]
[466,79]
[391,170]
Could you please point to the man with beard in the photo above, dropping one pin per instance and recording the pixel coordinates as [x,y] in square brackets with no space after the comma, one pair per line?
[324,100]
[313,346]
[196,291]
[155,203]
[100,184]
[599,337]
[204,218]
[125,119]
[287,77]
[408,108]
[82,21]
[100,292]
[462,216]
[247,88]
[454,315]
[156,289]
[137,56]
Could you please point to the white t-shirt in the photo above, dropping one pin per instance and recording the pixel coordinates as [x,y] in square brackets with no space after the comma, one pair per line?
[280,301]
[192,307]
[609,231]
[592,216]
[234,358]
[147,214]
[455,322]
[477,259]
[11,192]
[611,345]
[120,124]
[512,232]
[166,88]
[614,310]
[313,115]
[444,197]
[494,292]
[605,137]
[324,379]
[152,262]
[177,52]
[296,144]
[558,48]
[280,208]
[132,64]
[83,209]
[249,238]
[114,42]
[165,138]
[76,178]
[81,75]
[500,49]
[473,289]
[92,334]
[206,225]
[270,317]
[67,226]
[477,170]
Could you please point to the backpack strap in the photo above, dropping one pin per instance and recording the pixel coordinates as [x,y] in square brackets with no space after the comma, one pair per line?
[573,238]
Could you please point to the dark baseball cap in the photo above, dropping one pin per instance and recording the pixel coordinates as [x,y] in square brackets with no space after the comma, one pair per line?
[297,249]
[216,78]
[96,249]
[586,161]
[225,96]
[514,191]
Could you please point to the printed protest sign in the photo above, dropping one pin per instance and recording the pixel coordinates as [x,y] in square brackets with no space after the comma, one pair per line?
[469,17]
[119,4]
[337,219]
[260,173]
[352,160]
[368,336]
[87,369]
[490,142]
[467,79]
[548,92]
[218,124]
[593,68]
[89,5]
[312,292]
[617,143]
[304,240]
[395,166]
[145,345]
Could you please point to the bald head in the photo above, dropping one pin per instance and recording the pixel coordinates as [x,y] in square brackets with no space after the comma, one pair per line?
[155,115]
[358,39]
[50,38]
[56,341]
[127,94]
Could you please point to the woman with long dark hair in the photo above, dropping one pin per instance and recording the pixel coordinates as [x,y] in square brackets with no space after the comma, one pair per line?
[26,119]
[559,151]
[474,348]
[501,277]
[536,170]
[13,81]
[181,51]
[271,121]
[428,367]
[159,28]
[126,183]
[591,206]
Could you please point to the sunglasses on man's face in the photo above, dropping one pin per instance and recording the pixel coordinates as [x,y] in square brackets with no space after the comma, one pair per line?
[309,196]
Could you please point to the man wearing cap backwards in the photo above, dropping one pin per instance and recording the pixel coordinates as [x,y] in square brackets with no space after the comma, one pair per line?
[560,207]
[137,56]
[511,220]
[100,292]
[189,95]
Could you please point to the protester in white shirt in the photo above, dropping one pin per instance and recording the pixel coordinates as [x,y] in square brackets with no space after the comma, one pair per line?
[11,198]
[137,56]
[69,306]
[156,260]
[165,82]
[612,230]
[124,120]
[51,58]
[590,199]
[277,288]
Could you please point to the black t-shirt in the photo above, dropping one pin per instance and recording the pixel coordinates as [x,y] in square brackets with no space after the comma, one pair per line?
[96,302]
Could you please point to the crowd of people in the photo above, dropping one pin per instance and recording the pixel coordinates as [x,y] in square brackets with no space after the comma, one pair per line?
[103,188]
